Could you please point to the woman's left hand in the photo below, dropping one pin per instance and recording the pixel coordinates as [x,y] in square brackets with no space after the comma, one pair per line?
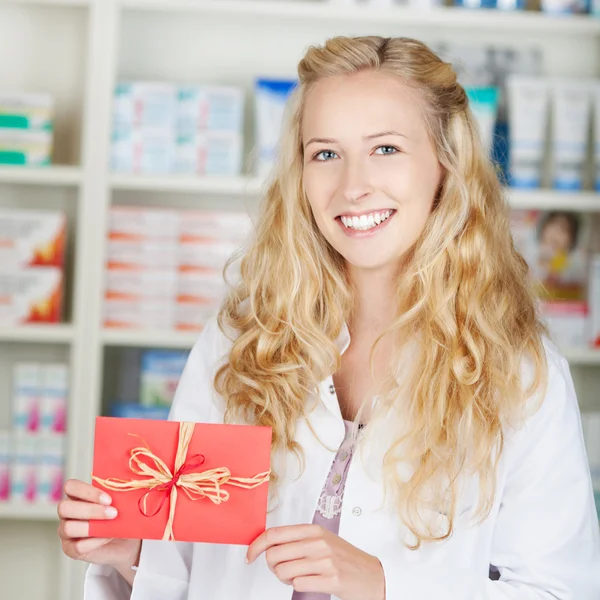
[312,559]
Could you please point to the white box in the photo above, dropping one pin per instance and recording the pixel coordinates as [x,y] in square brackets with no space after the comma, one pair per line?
[23,110]
[144,224]
[141,285]
[201,288]
[210,153]
[23,468]
[145,151]
[594,300]
[32,238]
[122,314]
[567,323]
[5,438]
[209,108]
[26,397]
[192,316]
[50,468]
[26,147]
[54,398]
[144,105]
[208,256]
[32,295]
[206,225]
[126,254]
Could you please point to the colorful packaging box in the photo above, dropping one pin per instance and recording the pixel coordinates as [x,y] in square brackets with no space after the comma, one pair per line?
[122,284]
[26,397]
[217,153]
[159,376]
[192,316]
[5,438]
[567,323]
[209,108]
[25,147]
[54,398]
[134,314]
[140,224]
[32,238]
[32,295]
[144,151]
[212,225]
[50,468]
[204,287]
[23,470]
[21,110]
[205,256]
[127,254]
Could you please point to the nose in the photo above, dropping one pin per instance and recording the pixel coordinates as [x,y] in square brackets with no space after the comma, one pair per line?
[356,184]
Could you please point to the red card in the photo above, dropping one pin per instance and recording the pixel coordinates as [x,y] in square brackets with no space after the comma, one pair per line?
[242,449]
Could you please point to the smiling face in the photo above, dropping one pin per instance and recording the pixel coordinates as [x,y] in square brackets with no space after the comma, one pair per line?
[370,168]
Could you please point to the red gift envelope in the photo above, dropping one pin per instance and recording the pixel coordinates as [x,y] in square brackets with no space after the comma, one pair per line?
[191,482]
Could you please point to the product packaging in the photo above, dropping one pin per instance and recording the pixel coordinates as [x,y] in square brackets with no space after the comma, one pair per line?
[528,115]
[124,284]
[240,453]
[217,153]
[594,300]
[25,147]
[484,106]
[596,100]
[159,376]
[271,98]
[54,398]
[135,314]
[127,254]
[26,111]
[140,224]
[23,470]
[144,151]
[5,439]
[212,225]
[32,295]
[134,410]
[203,108]
[570,130]
[565,7]
[567,323]
[32,238]
[26,395]
[205,256]
[50,468]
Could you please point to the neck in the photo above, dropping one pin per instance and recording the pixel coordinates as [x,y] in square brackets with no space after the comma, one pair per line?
[374,308]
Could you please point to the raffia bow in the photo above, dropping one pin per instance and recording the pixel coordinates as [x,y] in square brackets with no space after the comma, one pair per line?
[194,483]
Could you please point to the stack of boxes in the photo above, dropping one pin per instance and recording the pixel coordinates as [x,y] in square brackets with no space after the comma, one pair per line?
[165,128]
[32,454]
[164,267]
[26,129]
[32,255]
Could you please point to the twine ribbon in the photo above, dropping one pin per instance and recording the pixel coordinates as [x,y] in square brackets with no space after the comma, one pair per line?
[194,483]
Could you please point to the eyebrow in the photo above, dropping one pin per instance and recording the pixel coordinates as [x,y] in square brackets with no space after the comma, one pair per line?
[367,137]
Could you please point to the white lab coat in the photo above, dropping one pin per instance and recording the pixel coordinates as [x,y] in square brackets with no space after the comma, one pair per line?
[542,533]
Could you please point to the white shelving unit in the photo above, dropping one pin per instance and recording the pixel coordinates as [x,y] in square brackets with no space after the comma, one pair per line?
[77,50]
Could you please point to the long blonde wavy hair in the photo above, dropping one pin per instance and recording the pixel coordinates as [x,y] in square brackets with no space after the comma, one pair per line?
[463,295]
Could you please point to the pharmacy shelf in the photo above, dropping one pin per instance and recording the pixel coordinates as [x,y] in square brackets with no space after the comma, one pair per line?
[176,340]
[446,17]
[27,512]
[58,3]
[55,176]
[235,186]
[555,200]
[582,356]
[43,334]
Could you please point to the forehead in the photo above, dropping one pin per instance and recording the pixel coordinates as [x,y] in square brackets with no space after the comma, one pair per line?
[365,103]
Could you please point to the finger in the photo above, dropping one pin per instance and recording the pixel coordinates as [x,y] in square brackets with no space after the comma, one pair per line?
[286,572]
[313,583]
[308,548]
[84,511]
[280,535]
[87,545]
[68,530]
[80,490]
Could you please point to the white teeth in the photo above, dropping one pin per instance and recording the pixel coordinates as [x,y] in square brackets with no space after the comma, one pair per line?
[365,222]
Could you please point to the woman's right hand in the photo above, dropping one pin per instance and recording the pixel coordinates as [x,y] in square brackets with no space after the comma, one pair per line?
[85,502]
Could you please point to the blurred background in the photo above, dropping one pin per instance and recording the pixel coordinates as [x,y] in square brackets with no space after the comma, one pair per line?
[135,137]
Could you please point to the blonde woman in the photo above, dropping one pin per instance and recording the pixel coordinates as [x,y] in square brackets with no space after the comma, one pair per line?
[426,435]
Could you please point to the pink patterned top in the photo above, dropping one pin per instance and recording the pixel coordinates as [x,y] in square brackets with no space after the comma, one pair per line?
[329,506]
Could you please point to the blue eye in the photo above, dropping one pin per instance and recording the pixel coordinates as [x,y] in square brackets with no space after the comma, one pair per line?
[386,150]
[325,155]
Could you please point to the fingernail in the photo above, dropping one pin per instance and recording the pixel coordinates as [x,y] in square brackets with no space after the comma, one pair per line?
[246,560]
[105,499]
[111,512]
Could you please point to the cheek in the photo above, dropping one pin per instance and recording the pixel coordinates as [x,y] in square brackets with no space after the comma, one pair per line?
[319,187]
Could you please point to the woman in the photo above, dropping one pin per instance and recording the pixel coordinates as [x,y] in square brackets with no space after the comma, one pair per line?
[426,436]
